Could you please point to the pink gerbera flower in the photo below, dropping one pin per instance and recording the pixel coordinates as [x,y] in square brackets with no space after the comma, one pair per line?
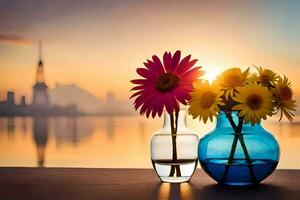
[165,84]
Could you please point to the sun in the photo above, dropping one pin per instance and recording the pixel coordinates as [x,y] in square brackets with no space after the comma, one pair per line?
[211,74]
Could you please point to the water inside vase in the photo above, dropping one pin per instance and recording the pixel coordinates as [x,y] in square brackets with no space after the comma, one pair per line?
[163,169]
[239,172]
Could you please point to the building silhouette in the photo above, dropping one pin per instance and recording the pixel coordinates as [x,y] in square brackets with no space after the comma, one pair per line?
[23,101]
[40,97]
[10,98]
[10,108]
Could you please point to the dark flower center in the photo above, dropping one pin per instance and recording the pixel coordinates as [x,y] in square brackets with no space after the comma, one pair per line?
[265,79]
[286,93]
[254,101]
[167,82]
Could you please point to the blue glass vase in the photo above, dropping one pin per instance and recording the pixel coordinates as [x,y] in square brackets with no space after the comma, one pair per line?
[238,159]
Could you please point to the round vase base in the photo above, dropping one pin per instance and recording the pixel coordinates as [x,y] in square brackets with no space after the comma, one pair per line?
[239,173]
[175,179]
[238,184]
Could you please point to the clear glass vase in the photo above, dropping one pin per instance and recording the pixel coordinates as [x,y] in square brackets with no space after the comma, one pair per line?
[174,156]
[238,159]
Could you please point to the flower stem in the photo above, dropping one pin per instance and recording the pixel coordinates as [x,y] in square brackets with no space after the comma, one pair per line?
[238,136]
[231,156]
[248,159]
[174,168]
[234,143]
[233,147]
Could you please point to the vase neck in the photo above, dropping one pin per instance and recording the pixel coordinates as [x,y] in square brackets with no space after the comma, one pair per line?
[181,121]
[222,121]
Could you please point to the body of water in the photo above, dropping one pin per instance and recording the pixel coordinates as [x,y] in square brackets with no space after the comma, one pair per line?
[110,142]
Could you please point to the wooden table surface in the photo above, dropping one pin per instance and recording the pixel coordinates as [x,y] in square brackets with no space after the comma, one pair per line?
[127,184]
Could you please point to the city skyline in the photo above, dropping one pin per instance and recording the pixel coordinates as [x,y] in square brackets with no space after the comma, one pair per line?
[67,100]
[97,45]
[62,95]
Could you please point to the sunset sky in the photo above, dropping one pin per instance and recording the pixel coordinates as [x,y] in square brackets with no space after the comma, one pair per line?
[99,44]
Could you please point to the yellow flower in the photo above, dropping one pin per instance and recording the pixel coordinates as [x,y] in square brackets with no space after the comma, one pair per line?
[284,98]
[232,78]
[266,76]
[254,102]
[205,100]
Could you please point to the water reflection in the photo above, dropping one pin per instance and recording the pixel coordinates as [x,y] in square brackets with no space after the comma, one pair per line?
[105,142]
[24,125]
[10,126]
[68,130]
[72,125]
[40,136]
[142,130]
[110,128]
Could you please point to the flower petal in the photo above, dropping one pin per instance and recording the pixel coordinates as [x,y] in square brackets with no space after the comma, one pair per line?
[155,69]
[146,73]
[167,59]
[175,61]
[156,62]
[182,64]
[192,75]
[183,69]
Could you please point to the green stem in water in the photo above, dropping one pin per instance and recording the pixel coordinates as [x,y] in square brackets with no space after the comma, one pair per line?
[237,133]
[233,147]
[174,168]
[242,141]
[234,143]
[238,136]
[248,159]
[231,156]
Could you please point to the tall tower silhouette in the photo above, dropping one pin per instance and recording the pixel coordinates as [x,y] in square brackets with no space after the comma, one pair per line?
[40,97]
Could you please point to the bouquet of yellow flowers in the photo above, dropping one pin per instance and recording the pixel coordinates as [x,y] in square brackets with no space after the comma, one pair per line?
[254,95]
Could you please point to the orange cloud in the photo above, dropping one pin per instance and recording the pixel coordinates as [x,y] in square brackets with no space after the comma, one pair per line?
[13,38]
